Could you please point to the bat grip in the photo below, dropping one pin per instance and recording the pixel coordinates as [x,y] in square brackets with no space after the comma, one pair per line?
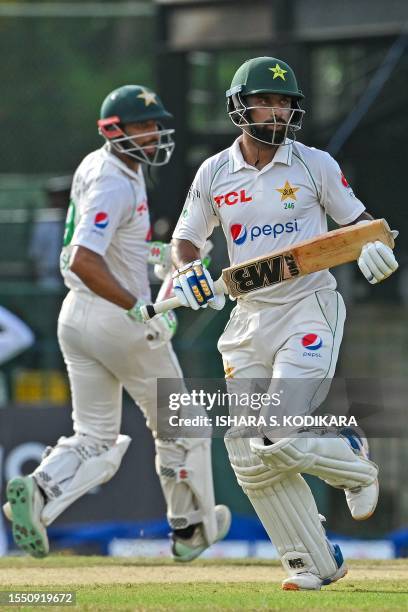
[150,310]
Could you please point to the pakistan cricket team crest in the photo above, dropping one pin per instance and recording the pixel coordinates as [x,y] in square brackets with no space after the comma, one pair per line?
[278,72]
[288,192]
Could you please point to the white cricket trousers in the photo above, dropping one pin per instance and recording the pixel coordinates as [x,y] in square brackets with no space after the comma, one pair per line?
[105,351]
[299,340]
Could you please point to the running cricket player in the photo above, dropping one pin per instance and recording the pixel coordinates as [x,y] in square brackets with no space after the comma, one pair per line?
[268,192]
[106,346]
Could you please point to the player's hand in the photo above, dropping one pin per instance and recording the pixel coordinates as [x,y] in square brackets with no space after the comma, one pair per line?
[160,256]
[135,312]
[377,261]
[161,329]
[194,287]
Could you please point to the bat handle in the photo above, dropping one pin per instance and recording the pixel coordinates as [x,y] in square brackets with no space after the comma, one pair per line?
[150,310]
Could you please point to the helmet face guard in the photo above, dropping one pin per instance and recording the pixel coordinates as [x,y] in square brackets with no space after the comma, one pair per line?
[284,133]
[112,131]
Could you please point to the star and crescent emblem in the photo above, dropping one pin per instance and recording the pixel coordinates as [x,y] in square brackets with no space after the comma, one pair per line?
[278,72]
[148,97]
[288,192]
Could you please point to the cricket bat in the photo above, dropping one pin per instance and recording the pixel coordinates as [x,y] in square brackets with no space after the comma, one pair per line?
[320,253]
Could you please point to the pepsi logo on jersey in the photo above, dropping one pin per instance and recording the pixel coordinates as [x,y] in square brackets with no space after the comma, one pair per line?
[311,342]
[101,220]
[142,208]
[239,232]
[346,184]
[344,180]
[233,197]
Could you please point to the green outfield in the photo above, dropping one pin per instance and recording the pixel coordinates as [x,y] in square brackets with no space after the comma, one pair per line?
[106,583]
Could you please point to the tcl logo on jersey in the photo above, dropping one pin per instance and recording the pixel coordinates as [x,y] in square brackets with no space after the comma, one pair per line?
[101,220]
[233,197]
[239,233]
[311,342]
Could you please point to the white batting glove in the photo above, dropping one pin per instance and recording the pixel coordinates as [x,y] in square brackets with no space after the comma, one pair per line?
[135,312]
[377,261]
[194,287]
[160,256]
[161,329]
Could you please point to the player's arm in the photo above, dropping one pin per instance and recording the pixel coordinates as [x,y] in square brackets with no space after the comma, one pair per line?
[93,271]
[192,282]
[90,242]
[365,216]
[183,252]
[377,260]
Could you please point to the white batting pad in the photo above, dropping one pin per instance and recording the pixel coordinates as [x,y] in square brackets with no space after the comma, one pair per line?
[287,510]
[185,472]
[329,458]
[73,467]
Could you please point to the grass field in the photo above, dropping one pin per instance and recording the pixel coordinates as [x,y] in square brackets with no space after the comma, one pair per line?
[107,583]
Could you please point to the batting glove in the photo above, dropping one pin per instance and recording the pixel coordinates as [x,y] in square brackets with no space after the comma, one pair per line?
[161,329]
[135,312]
[194,287]
[160,256]
[377,261]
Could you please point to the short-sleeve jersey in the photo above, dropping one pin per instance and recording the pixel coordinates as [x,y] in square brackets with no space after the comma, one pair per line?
[109,215]
[265,210]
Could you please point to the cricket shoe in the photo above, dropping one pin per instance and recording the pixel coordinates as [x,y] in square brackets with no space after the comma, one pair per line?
[26,503]
[7,511]
[184,549]
[306,581]
[361,501]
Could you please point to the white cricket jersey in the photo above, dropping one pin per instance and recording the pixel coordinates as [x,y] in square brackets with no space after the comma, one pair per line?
[109,215]
[261,211]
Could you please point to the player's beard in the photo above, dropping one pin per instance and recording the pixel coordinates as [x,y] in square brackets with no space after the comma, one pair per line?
[151,143]
[273,137]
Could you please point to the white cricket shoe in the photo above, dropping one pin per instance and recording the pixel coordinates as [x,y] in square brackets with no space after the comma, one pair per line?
[306,581]
[362,501]
[188,549]
[26,503]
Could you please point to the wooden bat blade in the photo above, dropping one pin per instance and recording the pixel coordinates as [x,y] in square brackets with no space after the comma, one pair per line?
[322,252]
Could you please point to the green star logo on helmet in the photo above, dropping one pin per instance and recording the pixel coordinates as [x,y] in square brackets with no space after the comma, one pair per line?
[278,72]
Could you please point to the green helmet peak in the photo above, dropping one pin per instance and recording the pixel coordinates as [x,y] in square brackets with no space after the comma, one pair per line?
[132,104]
[265,75]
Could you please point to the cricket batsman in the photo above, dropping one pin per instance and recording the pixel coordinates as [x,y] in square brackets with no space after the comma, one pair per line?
[107,347]
[267,192]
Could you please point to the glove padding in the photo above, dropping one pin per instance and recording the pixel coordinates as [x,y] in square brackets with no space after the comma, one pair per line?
[161,329]
[194,287]
[377,261]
